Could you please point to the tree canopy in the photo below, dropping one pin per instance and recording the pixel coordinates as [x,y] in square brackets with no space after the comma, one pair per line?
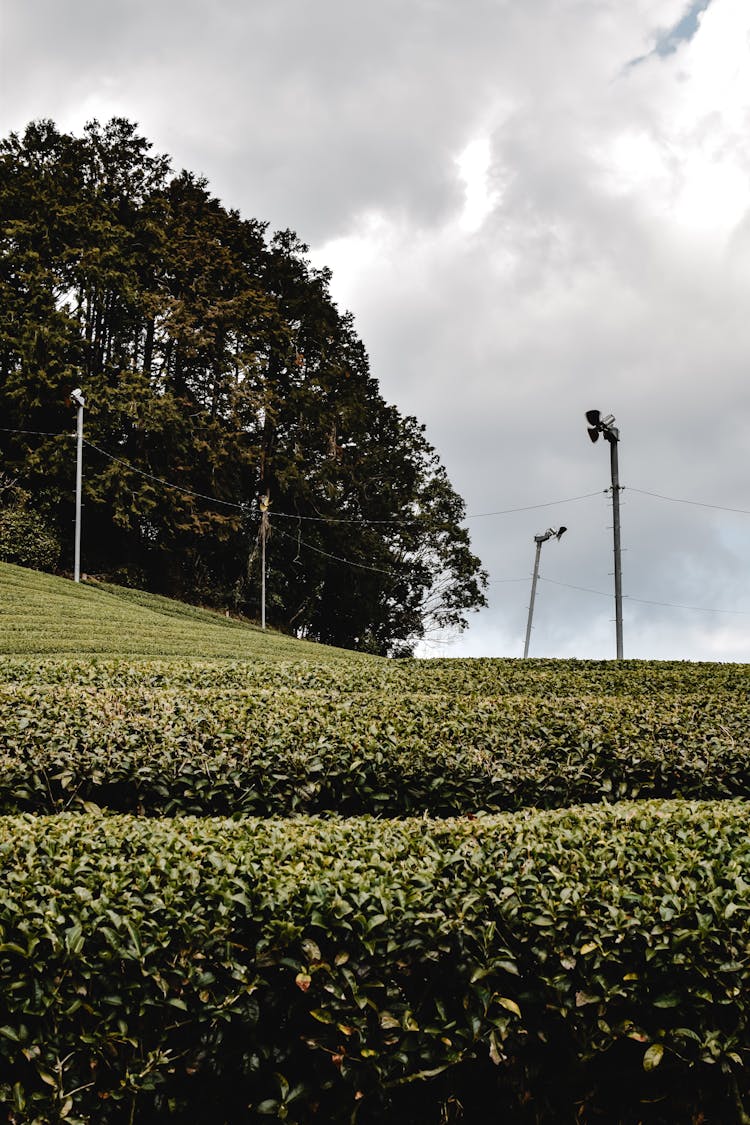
[217,369]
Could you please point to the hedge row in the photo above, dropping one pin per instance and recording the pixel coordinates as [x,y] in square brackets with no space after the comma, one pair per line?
[341,673]
[140,745]
[573,962]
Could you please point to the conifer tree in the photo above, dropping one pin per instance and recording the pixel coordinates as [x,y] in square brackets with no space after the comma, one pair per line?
[212,358]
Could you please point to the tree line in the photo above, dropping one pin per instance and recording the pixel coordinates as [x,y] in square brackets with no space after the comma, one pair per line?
[213,357]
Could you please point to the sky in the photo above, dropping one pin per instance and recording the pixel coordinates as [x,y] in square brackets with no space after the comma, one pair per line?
[533,208]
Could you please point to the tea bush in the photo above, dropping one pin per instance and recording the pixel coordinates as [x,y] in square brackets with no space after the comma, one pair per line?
[307,969]
[273,739]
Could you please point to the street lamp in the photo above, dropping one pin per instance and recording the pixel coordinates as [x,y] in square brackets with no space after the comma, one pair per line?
[550,533]
[605,426]
[77,398]
[263,502]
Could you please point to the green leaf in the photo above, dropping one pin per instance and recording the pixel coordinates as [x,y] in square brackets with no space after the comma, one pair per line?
[388,1021]
[510,1005]
[311,951]
[322,1016]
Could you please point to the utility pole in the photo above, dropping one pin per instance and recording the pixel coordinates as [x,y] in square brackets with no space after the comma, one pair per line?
[550,533]
[77,398]
[605,426]
[615,470]
[263,503]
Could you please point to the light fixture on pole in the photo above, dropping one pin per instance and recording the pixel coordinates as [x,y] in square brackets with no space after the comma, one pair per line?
[77,398]
[550,533]
[605,426]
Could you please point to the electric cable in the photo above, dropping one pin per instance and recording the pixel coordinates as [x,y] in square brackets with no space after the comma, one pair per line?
[416,522]
[166,483]
[328,555]
[398,521]
[533,507]
[693,503]
[37,433]
[647,601]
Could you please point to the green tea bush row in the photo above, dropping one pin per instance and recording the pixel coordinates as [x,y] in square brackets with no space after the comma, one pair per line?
[348,673]
[147,747]
[578,962]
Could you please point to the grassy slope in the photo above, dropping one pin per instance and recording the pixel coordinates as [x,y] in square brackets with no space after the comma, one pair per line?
[44,615]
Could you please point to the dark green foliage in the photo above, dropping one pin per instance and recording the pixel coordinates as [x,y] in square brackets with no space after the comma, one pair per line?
[174,738]
[157,968]
[211,356]
[26,539]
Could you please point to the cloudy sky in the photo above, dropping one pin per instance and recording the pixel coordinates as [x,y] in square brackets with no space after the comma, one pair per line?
[533,208]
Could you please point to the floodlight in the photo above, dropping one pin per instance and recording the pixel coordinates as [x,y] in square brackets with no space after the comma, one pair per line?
[560,532]
[77,397]
[592,417]
[593,433]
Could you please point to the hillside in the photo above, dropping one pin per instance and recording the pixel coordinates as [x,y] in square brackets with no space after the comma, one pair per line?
[42,614]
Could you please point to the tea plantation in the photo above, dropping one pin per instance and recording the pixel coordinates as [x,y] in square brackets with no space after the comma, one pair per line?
[244,878]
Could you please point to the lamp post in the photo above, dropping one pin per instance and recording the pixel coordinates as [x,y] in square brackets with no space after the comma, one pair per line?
[77,398]
[605,426]
[263,502]
[550,533]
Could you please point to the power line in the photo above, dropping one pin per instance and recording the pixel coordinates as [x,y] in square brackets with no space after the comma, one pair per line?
[648,601]
[400,520]
[697,608]
[351,520]
[36,433]
[416,521]
[693,503]
[569,586]
[166,483]
[338,558]
[533,507]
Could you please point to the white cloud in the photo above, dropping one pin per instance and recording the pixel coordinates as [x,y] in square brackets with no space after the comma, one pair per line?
[526,225]
[479,198]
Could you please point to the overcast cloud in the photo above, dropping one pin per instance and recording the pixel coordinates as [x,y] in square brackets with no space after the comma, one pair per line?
[532,208]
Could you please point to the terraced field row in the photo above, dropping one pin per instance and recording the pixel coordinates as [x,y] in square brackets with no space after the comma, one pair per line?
[288,738]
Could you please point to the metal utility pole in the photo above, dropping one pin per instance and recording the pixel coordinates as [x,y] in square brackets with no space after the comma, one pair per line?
[77,397]
[550,533]
[605,426]
[263,503]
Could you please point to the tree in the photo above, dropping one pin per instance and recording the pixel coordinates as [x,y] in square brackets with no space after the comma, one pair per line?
[25,538]
[213,358]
